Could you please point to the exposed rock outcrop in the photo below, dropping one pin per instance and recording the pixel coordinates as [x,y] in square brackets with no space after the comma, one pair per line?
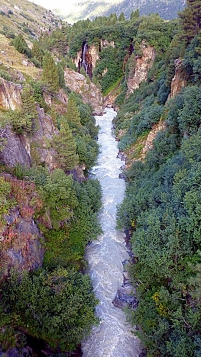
[151,136]
[88,90]
[26,149]
[21,244]
[105,43]
[14,151]
[141,66]
[179,80]
[10,95]
[38,145]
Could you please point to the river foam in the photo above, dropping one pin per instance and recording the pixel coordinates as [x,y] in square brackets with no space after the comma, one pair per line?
[113,337]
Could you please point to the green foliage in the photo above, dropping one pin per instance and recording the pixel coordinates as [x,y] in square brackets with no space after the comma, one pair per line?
[73,114]
[192,60]
[5,190]
[191,19]
[156,32]
[61,75]
[111,62]
[37,53]
[20,44]
[29,109]
[5,75]
[37,88]
[59,197]
[37,174]
[65,145]
[161,208]
[19,122]
[56,306]
[85,225]
[65,247]
[10,337]
[25,120]
[50,76]
[87,149]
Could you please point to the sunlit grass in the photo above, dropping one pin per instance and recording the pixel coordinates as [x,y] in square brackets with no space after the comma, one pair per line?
[10,57]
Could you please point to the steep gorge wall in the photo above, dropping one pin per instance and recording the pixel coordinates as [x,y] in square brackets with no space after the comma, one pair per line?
[21,242]
[22,149]
[179,80]
[10,95]
[88,90]
[140,66]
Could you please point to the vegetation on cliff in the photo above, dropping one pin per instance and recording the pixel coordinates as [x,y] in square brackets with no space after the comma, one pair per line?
[161,209]
[48,213]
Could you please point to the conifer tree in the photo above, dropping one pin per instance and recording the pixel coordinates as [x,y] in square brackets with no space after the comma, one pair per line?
[65,146]
[29,108]
[27,119]
[50,74]
[20,44]
[121,17]
[61,75]
[191,19]
[73,114]
[135,15]
[37,52]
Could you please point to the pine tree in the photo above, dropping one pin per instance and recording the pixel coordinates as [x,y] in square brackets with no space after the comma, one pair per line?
[121,17]
[65,145]
[25,120]
[50,74]
[29,112]
[20,44]
[73,114]
[37,52]
[61,75]
[191,19]
[135,15]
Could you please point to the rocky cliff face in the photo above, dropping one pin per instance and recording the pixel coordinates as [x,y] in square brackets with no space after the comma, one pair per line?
[25,149]
[89,55]
[10,95]
[21,242]
[179,80]
[140,67]
[88,90]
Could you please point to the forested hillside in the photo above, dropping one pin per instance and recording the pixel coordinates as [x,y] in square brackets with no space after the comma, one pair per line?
[149,70]
[161,209]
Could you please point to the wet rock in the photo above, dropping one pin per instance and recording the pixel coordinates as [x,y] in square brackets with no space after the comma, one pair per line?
[125,297]
[122,176]
[143,353]
[121,155]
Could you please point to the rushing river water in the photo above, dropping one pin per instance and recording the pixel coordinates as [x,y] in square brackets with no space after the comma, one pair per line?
[113,336]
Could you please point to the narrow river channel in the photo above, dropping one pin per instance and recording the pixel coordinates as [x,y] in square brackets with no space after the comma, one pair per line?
[113,336]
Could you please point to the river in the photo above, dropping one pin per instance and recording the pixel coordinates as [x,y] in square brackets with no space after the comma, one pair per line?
[113,336]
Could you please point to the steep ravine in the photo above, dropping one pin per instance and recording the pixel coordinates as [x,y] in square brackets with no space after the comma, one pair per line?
[113,336]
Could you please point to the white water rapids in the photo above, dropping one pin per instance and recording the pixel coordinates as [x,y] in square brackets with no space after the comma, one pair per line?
[113,336]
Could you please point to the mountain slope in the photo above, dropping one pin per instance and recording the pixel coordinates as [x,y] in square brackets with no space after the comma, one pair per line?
[167,9]
[27,18]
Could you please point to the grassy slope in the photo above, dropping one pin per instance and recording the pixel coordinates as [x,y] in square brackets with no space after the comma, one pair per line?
[9,57]
[22,15]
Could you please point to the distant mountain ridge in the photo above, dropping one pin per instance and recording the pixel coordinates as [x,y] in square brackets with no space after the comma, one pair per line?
[79,10]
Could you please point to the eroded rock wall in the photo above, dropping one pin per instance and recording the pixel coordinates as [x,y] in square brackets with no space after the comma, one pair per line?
[10,95]
[179,80]
[21,242]
[88,90]
[140,67]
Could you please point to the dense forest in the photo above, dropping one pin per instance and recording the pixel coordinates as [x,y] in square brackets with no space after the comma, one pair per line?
[162,205]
